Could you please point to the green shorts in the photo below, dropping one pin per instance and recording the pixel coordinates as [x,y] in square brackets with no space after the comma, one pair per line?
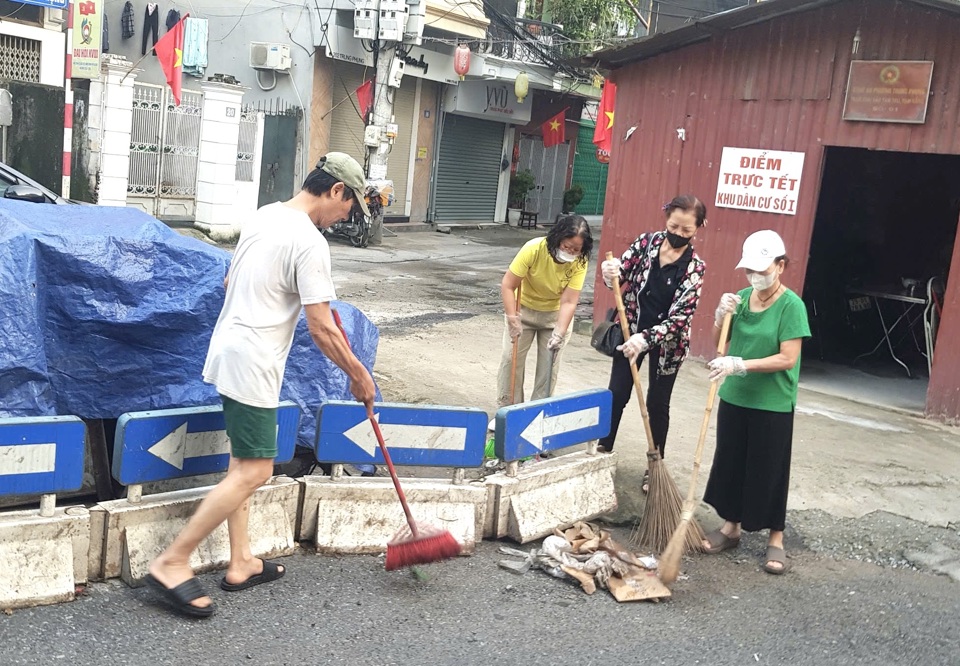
[252,430]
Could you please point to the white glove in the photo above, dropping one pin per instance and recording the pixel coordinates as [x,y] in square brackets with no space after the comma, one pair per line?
[610,269]
[514,326]
[725,366]
[728,304]
[556,342]
[636,345]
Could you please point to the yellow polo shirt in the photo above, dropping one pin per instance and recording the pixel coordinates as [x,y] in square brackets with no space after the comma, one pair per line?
[543,278]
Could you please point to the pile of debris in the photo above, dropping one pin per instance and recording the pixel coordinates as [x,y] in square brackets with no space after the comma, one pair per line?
[589,555]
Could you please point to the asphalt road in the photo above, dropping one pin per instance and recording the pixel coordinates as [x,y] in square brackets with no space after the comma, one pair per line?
[348,610]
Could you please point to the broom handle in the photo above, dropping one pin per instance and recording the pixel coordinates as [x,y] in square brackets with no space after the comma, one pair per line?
[383,445]
[714,385]
[625,327]
[516,348]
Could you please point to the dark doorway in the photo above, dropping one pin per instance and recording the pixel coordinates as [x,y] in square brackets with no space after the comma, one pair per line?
[879,259]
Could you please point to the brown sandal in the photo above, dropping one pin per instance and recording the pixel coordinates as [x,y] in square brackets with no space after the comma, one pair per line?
[777,555]
[720,542]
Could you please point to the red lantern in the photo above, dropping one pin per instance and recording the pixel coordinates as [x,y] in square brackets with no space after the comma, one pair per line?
[461,60]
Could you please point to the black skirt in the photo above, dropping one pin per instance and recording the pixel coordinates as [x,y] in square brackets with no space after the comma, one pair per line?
[750,475]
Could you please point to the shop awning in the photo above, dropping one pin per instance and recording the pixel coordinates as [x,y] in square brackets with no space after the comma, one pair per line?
[461,18]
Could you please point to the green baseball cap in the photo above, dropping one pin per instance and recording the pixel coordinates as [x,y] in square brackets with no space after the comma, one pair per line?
[348,171]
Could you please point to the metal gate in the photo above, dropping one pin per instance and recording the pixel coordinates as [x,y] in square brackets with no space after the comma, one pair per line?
[549,167]
[164,151]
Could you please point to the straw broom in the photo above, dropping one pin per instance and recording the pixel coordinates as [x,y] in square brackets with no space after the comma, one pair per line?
[661,514]
[670,560]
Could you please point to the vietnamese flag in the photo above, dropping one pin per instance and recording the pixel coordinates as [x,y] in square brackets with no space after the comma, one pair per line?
[603,133]
[169,50]
[553,130]
[365,98]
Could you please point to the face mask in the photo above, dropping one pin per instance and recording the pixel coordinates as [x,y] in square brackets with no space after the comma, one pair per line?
[565,258]
[677,241]
[761,282]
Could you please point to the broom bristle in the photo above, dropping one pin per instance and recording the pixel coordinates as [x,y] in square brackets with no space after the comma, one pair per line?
[670,560]
[431,545]
[661,514]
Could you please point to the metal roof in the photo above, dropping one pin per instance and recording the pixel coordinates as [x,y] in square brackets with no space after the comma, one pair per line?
[699,30]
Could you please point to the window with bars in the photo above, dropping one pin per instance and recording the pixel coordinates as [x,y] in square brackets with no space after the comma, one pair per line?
[246,146]
[19,59]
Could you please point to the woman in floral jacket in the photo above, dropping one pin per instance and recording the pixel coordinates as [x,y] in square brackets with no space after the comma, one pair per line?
[661,276]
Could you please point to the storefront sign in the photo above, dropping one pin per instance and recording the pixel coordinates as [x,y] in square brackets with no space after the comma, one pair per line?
[888,92]
[87,34]
[603,156]
[491,100]
[763,180]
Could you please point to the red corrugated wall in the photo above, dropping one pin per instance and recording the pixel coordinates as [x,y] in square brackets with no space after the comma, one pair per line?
[777,85]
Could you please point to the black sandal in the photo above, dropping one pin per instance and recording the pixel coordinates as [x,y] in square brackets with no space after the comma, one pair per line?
[179,597]
[271,571]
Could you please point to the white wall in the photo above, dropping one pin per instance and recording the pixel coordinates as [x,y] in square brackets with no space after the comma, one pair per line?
[52,49]
[233,24]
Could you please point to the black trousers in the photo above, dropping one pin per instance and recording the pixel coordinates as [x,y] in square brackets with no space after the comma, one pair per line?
[659,389]
[151,24]
[751,467]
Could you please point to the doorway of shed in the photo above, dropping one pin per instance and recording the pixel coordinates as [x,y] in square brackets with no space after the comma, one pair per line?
[880,256]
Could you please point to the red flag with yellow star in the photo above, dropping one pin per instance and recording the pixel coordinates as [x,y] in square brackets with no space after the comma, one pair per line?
[169,52]
[603,134]
[553,130]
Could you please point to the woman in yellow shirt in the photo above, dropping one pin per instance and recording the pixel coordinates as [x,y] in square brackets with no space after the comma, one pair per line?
[551,271]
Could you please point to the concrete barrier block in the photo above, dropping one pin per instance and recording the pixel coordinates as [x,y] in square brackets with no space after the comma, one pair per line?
[362,515]
[43,559]
[558,491]
[134,534]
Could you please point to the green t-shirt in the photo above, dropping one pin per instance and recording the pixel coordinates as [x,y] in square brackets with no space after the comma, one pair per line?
[758,335]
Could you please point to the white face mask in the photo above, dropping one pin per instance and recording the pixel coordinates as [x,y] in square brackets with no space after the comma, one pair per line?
[761,282]
[564,257]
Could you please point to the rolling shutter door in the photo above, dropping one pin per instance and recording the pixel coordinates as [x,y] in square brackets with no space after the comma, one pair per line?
[589,173]
[346,131]
[468,175]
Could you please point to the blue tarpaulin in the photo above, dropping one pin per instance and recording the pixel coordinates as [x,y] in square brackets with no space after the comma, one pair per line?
[107,310]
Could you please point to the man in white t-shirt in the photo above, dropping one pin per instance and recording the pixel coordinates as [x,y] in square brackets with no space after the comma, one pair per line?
[281,265]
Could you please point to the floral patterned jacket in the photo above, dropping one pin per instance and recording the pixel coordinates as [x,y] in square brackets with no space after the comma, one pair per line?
[672,335]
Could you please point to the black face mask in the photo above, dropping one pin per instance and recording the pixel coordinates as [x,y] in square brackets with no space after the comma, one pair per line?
[676,241]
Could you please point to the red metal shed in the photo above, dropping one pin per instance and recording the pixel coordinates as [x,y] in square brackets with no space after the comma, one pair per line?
[774,76]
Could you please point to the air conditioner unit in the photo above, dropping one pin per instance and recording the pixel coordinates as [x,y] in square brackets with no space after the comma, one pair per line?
[269,55]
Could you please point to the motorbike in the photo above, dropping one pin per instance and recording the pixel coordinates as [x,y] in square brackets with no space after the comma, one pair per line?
[356,228]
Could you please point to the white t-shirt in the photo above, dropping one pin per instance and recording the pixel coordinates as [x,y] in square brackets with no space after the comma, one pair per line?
[282,263]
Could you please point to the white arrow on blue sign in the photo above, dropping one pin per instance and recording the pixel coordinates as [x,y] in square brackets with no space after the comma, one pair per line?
[414,434]
[173,443]
[533,427]
[41,455]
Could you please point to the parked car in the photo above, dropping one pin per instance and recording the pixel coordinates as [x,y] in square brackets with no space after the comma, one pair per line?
[15,185]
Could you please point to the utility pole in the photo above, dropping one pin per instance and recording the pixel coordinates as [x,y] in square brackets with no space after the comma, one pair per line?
[388,24]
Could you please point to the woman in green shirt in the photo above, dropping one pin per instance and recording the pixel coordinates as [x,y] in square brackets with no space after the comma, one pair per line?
[751,466]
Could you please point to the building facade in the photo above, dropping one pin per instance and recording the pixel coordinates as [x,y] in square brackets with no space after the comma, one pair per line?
[837,127]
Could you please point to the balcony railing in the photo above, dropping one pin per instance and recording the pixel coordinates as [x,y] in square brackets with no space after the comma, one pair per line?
[531,41]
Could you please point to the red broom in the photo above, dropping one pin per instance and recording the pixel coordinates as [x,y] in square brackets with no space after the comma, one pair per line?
[411,545]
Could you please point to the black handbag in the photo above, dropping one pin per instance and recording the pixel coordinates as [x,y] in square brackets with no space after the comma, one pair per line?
[608,335]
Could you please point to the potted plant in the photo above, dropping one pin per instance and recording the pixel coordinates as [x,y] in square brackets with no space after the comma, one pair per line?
[572,198]
[520,184]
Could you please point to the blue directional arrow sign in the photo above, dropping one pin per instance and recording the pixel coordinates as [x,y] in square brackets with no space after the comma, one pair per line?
[533,427]
[41,455]
[414,434]
[174,443]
